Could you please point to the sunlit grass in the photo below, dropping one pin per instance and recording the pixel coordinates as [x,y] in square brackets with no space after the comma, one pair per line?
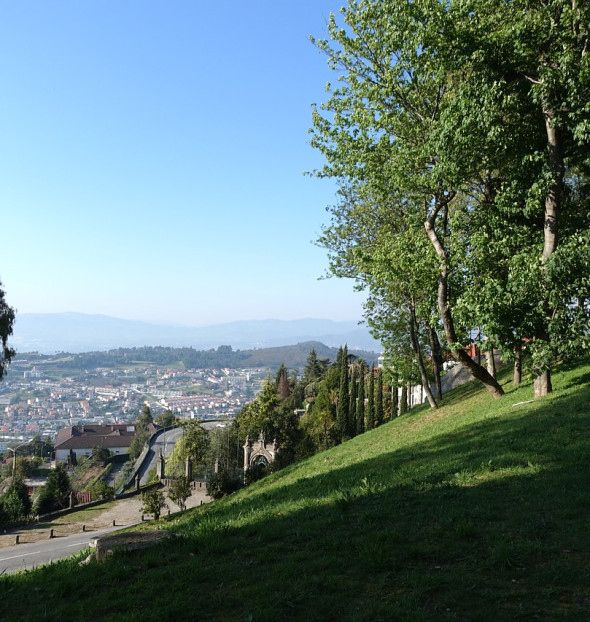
[477,511]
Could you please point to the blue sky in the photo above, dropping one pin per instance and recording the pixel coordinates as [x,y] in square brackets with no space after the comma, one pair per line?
[152,157]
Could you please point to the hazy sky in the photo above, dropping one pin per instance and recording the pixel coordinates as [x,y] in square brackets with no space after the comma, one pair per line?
[152,156]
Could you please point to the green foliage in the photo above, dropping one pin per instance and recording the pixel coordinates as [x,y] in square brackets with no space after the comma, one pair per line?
[179,491]
[343,402]
[15,501]
[360,410]
[255,472]
[7,316]
[225,449]
[379,417]
[145,417]
[38,447]
[370,411]
[141,433]
[153,501]
[485,494]
[166,419]
[55,495]
[101,490]
[224,483]
[100,455]
[458,132]
[194,443]
[258,416]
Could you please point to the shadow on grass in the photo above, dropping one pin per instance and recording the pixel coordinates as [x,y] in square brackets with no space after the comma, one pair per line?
[487,522]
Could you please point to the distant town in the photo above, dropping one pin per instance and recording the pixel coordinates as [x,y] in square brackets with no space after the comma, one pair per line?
[40,397]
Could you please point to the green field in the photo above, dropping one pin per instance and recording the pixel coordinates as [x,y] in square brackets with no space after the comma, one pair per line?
[477,511]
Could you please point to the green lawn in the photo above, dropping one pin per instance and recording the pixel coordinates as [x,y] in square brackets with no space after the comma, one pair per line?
[478,511]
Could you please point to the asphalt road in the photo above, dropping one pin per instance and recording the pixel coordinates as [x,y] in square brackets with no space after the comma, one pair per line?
[165,442]
[27,556]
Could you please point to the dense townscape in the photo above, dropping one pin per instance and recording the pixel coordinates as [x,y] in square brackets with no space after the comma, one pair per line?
[37,399]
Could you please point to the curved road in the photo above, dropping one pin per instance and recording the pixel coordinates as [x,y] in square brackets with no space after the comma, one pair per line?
[27,556]
[165,442]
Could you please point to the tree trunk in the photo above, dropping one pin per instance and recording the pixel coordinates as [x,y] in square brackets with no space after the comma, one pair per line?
[403,401]
[543,383]
[394,404]
[550,230]
[419,358]
[491,362]
[517,366]
[409,392]
[458,353]
[437,360]
[478,339]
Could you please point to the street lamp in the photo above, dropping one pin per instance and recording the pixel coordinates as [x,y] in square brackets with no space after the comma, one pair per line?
[14,455]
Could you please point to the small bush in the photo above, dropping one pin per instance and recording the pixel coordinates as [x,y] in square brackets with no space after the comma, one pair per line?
[223,483]
[256,472]
[153,502]
[103,491]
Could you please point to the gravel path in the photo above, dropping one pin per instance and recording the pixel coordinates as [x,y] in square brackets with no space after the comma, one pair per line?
[122,513]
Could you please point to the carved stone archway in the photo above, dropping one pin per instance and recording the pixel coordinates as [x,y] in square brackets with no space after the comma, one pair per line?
[258,452]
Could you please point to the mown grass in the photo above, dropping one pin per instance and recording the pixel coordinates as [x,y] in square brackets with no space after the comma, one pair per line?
[477,511]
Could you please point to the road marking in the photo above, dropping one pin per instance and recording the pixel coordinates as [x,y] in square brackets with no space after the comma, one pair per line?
[5,559]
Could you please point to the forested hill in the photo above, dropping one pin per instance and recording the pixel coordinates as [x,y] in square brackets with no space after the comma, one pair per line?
[293,357]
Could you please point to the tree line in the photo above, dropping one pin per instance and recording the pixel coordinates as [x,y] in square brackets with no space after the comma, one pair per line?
[459,134]
[329,403]
[221,357]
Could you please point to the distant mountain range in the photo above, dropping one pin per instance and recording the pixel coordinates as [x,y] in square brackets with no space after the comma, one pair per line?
[48,333]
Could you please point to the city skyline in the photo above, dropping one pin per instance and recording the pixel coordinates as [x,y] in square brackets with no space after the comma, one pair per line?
[153,161]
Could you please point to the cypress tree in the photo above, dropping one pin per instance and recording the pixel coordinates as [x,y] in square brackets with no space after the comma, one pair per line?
[370,413]
[394,399]
[360,409]
[353,404]
[283,388]
[379,398]
[342,410]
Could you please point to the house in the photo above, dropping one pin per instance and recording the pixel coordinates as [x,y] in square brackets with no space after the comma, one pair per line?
[81,439]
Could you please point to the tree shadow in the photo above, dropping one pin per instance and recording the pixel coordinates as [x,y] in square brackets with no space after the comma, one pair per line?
[489,521]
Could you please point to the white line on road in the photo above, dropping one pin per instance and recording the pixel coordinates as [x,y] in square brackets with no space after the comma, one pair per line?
[5,559]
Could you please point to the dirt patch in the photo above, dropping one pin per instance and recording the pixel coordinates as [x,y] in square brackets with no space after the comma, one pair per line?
[121,513]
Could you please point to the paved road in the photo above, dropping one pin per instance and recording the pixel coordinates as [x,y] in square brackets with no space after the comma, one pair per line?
[36,548]
[27,556]
[165,443]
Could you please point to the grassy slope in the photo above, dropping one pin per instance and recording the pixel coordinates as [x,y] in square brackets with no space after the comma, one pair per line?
[477,511]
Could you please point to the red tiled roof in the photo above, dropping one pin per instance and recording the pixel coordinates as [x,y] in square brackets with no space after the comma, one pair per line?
[88,436]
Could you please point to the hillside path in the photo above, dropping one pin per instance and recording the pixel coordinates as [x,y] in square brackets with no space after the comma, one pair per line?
[124,513]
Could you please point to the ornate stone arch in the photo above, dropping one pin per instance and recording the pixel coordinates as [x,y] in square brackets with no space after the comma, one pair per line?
[259,451]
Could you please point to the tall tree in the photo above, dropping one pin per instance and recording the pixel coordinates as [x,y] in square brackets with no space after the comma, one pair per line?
[343,407]
[283,387]
[6,323]
[370,410]
[360,410]
[379,415]
[352,408]
[537,53]
[381,130]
